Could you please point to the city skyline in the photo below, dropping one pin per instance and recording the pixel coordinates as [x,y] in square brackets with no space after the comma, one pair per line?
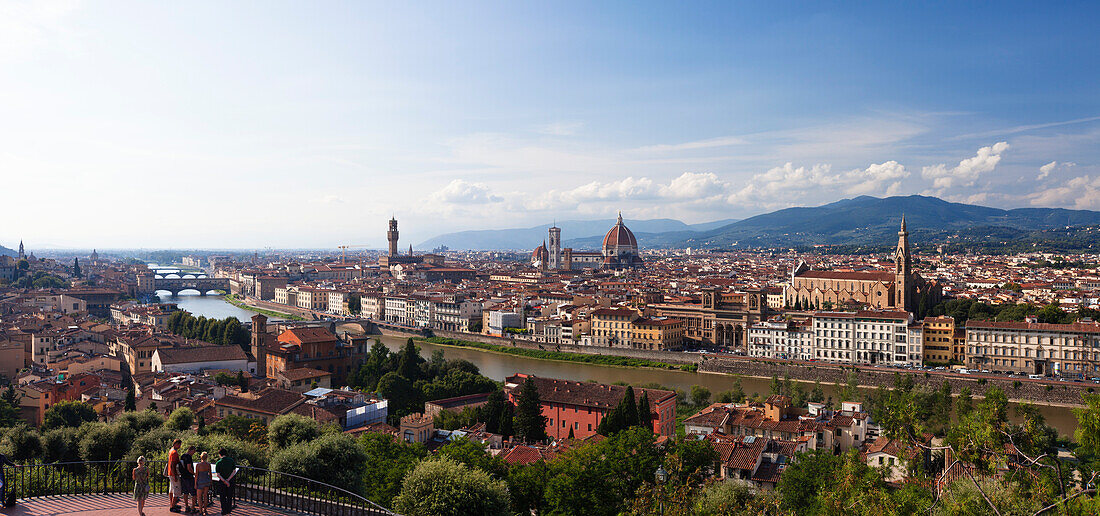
[285,126]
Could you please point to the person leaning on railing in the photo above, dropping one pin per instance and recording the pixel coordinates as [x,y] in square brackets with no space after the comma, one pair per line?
[6,496]
[227,469]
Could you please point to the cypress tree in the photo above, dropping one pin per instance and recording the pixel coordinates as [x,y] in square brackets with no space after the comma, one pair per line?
[645,414]
[507,419]
[612,422]
[530,424]
[76,268]
[409,367]
[630,408]
[493,410]
[131,399]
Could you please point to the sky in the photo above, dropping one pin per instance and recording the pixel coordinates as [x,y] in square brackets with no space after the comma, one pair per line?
[308,124]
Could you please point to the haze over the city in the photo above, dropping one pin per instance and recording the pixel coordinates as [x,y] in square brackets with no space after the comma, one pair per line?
[292,124]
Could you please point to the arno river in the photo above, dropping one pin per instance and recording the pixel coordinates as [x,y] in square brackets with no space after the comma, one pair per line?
[499,366]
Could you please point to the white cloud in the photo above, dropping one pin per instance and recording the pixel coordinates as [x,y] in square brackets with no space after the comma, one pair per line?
[694,186]
[1045,170]
[1082,192]
[721,141]
[968,170]
[788,184]
[459,191]
[872,179]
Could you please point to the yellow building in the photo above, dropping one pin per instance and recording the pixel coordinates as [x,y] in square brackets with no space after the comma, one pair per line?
[612,327]
[626,328]
[939,340]
[662,333]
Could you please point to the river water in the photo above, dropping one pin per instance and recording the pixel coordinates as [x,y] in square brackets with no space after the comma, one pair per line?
[499,366]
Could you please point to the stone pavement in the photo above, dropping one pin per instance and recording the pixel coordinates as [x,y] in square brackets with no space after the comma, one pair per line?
[119,504]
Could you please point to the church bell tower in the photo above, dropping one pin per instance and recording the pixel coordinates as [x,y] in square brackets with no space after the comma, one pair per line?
[555,248]
[903,269]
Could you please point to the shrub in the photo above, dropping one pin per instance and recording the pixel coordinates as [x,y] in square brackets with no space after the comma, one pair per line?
[181,419]
[290,429]
[101,441]
[153,444]
[246,453]
[141,422]
[438,486]
[20,443]
[334,459]
[68,413]
[60,445]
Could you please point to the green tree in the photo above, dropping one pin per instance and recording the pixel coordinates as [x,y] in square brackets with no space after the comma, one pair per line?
[507,421]
[131,399]
[290,429]
[530,424]
[76,268]
[492,409]
[104,442]
[409,362]
[20,443]
[700,395]
[775,386]
[645,412]
[964,403]
[141,422]
[334,459]
[59,445]
[1087,434]
[233,425]
[68,413]
[181,419]
[400,393]
[387,462]
[440,486]
[242,382]
[527,487]
[474,455]
[602,478]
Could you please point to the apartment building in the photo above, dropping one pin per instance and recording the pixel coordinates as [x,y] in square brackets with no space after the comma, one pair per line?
[867,337]
[939,336]
[781,339]
[1030,347]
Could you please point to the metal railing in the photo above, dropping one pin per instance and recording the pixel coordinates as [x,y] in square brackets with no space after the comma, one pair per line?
[255,485]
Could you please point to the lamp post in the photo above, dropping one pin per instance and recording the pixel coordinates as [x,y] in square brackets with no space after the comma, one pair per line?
[662,477]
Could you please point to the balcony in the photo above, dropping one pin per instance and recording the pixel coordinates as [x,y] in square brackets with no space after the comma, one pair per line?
[105,488]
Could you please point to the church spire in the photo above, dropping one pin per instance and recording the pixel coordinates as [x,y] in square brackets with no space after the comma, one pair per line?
[902,259]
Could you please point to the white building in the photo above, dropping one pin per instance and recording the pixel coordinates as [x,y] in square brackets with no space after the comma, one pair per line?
[200,358]
[781,339]
[867,337]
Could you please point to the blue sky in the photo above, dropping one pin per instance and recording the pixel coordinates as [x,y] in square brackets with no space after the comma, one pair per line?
[247,124]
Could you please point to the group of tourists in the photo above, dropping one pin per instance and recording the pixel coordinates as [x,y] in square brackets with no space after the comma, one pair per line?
[190,481]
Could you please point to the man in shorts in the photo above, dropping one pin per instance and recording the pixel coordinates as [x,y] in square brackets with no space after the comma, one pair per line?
[187,480]
[175,489]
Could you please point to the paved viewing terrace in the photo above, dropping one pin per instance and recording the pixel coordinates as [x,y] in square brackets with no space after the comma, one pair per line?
[119,504]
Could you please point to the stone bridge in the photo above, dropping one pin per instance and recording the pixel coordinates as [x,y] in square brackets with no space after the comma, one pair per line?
[175,285]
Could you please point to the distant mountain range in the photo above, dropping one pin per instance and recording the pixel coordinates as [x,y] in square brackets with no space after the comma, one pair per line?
[572,233]
[4,251]
[861,221]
